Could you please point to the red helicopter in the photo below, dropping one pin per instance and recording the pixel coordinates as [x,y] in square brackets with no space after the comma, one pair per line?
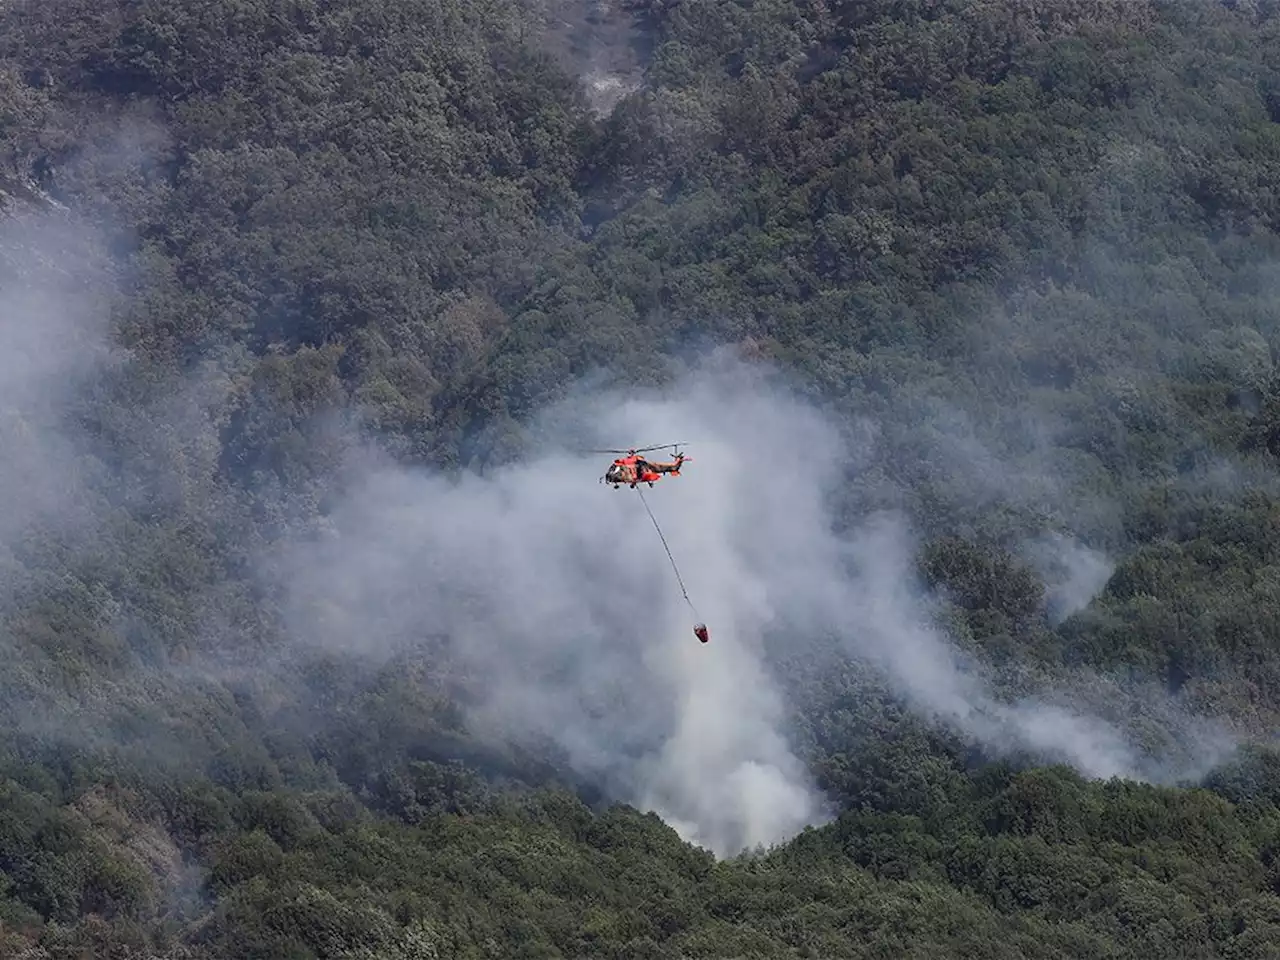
[632,468]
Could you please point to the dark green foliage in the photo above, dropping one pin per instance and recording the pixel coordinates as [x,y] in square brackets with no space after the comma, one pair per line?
[1027,244]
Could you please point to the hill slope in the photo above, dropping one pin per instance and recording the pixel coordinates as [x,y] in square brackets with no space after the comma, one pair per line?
[318,649]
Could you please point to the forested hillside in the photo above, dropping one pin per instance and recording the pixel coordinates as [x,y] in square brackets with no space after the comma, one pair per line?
[321,639]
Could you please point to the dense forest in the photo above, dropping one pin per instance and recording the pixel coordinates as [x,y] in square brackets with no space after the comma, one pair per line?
[323,641]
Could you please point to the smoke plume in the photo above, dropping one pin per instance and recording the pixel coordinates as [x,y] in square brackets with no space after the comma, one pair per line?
[54,289]
[1073,573]
[553,595]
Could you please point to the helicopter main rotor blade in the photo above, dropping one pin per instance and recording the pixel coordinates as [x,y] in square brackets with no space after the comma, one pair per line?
[661,446]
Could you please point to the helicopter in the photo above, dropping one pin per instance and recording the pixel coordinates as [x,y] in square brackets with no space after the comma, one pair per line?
[632,469]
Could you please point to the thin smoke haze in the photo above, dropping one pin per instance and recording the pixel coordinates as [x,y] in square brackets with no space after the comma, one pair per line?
[54,299]
[881,616]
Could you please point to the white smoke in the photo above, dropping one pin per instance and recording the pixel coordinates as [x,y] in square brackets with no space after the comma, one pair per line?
[556,591]
[1074,574]
[882,618]
[54,307]
[554,595]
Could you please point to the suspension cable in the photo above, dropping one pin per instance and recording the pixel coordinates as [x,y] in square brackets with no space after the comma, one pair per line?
[679,579]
